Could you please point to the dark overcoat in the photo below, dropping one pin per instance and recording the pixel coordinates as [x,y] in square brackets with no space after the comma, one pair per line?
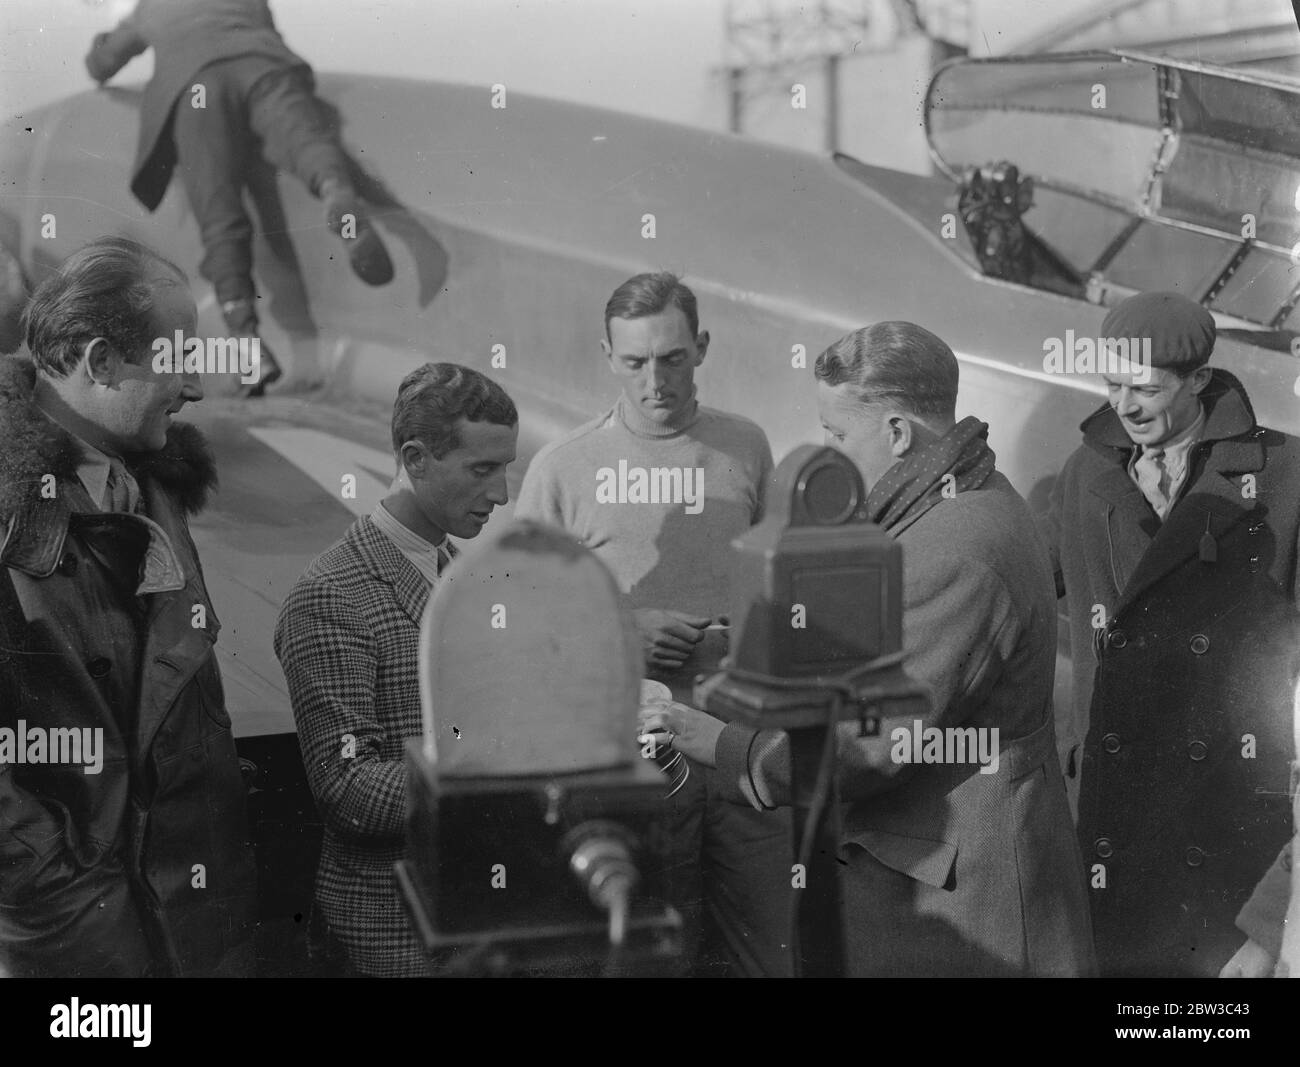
[1185,648]
[186,36]
[144,867]
[949,871]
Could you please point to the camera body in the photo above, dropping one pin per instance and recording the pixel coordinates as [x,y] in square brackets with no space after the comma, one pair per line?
[819,592]
[489,875]
[536,833]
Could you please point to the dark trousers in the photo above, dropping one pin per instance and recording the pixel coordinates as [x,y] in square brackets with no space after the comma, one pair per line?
[729,874]
[748,891]
[253,106]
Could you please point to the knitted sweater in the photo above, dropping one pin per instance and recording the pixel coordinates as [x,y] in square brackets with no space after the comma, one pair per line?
[659,505]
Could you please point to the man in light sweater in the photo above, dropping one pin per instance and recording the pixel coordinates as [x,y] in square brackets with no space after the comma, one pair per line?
[658,487]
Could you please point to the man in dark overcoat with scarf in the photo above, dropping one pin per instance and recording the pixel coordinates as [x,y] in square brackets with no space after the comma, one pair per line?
[1174,531]
[948,869]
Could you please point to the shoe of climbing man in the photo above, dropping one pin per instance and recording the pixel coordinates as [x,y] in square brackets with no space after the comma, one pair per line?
[348,221]
[242,322]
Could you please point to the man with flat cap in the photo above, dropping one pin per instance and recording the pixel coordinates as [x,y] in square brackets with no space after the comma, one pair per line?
[1174,530]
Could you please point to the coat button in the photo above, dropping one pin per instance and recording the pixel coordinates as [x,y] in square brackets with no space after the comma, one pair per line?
[68,564]
[99,667]
[1197,750]
[1118,639]
[1200,644]
[1194,856]
[1110,743]
[1104,848]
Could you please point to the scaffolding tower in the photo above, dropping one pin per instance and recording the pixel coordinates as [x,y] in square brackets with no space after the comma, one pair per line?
[771,44]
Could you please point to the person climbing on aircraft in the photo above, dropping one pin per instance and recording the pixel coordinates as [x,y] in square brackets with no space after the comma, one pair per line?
[257,98]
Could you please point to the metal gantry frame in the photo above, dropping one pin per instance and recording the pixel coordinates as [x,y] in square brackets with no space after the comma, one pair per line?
[770,44]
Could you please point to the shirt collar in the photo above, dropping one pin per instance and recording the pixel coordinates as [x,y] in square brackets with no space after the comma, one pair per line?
[93,467]
[1177,448]
[93,472]
[424,555]
[1183,441]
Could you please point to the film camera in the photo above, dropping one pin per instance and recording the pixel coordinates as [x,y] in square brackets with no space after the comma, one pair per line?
[819,597]
[535,836]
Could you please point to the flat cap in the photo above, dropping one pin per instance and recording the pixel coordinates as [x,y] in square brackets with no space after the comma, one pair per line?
[1181,331]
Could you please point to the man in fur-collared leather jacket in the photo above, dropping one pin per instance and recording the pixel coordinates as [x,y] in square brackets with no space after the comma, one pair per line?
[124,853]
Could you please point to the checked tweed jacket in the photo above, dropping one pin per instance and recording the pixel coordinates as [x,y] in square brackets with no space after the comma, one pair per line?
[347,638]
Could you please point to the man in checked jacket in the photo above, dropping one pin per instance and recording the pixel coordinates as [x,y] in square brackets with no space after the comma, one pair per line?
[348,636]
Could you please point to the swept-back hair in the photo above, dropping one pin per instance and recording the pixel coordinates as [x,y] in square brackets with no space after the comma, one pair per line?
[897,362]
[432,398]
[106,288]
[649,294]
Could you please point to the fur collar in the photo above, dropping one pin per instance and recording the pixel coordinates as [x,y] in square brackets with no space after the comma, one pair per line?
[32,445]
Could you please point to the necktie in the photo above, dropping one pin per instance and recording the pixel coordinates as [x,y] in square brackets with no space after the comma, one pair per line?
[123,490]
[1154,481]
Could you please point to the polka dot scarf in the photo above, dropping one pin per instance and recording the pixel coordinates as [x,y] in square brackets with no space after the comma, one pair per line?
[914,484]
